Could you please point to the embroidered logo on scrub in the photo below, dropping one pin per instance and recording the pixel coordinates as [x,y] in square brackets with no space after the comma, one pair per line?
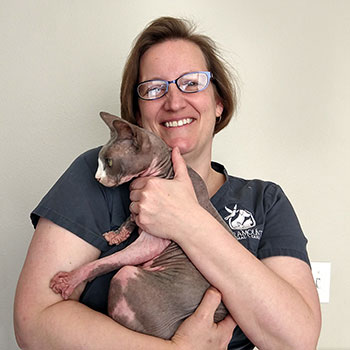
[240,219]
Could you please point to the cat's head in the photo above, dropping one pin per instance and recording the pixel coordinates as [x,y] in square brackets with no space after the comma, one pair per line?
[130,152]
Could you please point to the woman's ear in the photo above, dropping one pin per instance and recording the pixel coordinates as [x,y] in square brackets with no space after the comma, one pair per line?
[219,108]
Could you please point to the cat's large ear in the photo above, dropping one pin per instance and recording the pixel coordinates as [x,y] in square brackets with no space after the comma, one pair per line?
[109,119]
[118,125]
[123,129]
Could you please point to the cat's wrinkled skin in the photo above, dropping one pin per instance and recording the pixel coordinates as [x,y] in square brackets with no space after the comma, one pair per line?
[157,286]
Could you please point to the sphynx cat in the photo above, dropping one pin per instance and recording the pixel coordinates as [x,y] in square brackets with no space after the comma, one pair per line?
[157,286]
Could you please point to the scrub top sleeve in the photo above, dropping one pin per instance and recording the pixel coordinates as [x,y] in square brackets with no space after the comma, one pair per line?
[77,202]
[282,235]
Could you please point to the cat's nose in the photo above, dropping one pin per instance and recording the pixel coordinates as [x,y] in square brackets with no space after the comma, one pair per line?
[99,172]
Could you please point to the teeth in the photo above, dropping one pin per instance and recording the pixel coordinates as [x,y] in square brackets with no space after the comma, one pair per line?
[175,123]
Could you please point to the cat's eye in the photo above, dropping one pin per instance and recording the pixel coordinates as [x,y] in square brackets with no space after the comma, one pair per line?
[109,162]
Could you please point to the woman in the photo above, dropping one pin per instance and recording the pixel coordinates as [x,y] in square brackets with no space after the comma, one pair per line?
[175,85]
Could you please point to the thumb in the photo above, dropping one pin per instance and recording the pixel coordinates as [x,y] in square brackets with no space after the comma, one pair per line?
[206,310]
[179,164]
[228,324]
[210,302]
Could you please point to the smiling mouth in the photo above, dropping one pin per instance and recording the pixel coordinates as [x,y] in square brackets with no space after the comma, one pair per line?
[176,123]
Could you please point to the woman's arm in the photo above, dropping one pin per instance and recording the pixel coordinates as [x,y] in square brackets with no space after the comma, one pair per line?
[44,321]
[274,301]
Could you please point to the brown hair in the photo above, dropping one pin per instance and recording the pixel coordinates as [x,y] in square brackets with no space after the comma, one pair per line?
[170,28]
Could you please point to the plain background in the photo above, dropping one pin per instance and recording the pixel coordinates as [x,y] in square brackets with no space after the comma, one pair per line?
[61,63]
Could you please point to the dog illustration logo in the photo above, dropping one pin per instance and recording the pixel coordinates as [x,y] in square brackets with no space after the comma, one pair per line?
[239,219]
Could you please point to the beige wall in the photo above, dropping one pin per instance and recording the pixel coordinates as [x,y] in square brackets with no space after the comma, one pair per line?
[61,64]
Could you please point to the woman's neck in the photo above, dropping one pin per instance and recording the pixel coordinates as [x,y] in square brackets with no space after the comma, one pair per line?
[213,179]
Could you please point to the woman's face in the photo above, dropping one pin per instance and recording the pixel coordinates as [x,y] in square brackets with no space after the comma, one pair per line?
[168,61]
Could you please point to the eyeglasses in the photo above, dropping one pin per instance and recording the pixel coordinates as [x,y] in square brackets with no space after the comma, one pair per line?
[188,83]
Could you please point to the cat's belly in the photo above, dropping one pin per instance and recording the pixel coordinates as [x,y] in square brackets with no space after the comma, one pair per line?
[155,298]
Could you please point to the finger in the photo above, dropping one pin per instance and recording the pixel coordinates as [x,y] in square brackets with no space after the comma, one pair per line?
[228,324]
[138,183]
[209,304]
[135,195]
[132,207]
[179,164]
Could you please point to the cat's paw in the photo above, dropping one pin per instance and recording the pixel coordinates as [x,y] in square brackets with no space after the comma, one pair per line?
[62,283]
[110,236]
[116,237]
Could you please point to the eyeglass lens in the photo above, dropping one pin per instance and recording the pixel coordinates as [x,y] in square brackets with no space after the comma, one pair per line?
[189,83]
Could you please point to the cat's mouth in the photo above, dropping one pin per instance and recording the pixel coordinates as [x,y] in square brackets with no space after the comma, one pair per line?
[105,181]
[177,123]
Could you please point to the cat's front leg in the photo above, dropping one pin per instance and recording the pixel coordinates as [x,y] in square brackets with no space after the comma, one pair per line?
[123,233]
[65,283]
[145,248]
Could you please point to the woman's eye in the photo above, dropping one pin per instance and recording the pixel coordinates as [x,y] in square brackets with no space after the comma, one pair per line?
[154,91]
[153,88]
[191,83]
[109,162]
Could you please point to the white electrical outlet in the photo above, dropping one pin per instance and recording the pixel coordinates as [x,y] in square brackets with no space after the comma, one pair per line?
[322,277]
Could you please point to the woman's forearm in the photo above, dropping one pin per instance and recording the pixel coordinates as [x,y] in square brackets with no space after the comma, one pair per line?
[272,310]
[72,325]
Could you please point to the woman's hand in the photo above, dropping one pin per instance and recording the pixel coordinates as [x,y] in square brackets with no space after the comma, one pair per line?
[163,207]
[199,330]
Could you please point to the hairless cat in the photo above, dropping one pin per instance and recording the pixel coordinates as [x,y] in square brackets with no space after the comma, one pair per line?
[157,286]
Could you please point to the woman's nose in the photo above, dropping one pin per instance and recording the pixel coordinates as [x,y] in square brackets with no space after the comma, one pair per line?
[174,99]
